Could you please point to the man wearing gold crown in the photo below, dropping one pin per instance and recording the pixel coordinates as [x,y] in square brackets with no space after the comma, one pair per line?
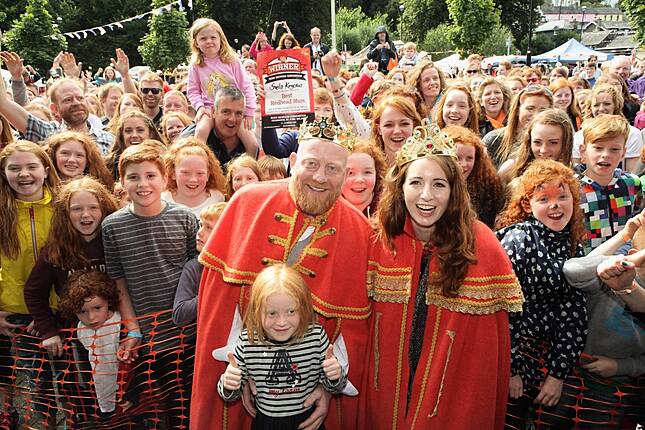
[441,287]
[300,221]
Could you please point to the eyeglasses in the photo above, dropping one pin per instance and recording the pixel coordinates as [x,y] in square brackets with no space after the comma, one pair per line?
[472,72]
[154,91]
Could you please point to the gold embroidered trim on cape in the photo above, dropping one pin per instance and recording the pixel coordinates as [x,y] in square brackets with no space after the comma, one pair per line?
[377,355]
[451,334]
[424,382]
[399,367]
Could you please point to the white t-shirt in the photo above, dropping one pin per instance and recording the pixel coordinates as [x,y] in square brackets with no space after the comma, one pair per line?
[215,197]
[634,143]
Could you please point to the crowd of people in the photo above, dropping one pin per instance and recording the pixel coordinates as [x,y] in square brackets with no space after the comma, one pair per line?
[444,250]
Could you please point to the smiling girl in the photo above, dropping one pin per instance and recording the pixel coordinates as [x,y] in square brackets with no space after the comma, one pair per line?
[242,171]
[541,229]
[549,136]
[365,171]
[429,81]
[283,350]
[195,178]
[74,243]
[494,98]
[132,128]
[457,107]
[28,184]
[392,123]
[564,98]
[431,261]
[172,124]
[75,154]
[214,65]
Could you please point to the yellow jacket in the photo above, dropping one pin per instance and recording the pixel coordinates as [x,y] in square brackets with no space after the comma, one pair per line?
[34,220]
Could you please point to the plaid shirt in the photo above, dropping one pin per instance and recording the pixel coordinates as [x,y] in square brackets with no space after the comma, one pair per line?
[39,130]
[607,209]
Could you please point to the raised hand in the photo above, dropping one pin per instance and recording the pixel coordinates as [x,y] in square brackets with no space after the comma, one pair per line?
[232,377]
[14,64]
[69,65]
[331,366]
[331,63]
[122,62]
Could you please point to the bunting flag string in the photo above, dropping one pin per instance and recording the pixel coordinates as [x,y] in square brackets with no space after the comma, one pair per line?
[101,30]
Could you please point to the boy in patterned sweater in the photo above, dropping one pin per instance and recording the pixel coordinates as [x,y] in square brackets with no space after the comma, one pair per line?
[608,196]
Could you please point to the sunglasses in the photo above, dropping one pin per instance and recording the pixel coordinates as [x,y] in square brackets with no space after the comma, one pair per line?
[154,91]
[472,72]
[537,87]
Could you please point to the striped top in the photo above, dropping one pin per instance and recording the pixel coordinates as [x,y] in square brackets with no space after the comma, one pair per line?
[285,374]
[150,253]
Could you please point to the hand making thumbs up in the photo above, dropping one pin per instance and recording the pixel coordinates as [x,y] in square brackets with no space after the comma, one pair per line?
[232,377]
[331,366]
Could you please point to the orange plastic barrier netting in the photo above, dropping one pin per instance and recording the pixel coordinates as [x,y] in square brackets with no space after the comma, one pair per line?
[154,391]
[89,388]
[587,402]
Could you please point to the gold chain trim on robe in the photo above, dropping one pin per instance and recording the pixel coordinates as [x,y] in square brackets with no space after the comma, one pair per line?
[481,295]
[336,331]
[433,345]
[388,284]
[451,334]
[225,270]
[225,417]
[399,367]
[377,355]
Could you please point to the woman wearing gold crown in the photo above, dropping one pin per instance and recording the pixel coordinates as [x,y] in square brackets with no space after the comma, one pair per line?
[441,287]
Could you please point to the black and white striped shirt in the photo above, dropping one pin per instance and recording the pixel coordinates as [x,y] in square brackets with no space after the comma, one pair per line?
[285,374]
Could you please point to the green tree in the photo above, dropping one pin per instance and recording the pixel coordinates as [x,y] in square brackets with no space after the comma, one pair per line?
[31,36]
[166,44]
[437,42]
[635,10]
[473,22]
[495,44]
[515,15]
[354,29]
[421,15]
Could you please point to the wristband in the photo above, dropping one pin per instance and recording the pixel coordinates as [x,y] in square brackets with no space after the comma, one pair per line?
[626,237]
[136,334]
[332,78]
[626,291]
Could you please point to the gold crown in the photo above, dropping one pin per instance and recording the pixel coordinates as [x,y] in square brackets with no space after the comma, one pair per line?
[426,140]
[324,129]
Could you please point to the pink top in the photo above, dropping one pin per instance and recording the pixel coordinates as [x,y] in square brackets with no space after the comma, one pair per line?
[639,121]
[205,80]
[253,50]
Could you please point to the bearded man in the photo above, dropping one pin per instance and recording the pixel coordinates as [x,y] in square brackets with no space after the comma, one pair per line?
[68,103]
[300,221]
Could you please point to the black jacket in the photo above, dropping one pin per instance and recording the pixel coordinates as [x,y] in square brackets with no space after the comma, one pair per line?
[323,48]
[381,55]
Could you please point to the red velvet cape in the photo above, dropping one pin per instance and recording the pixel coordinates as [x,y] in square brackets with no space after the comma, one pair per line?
[258,228]
[462,377]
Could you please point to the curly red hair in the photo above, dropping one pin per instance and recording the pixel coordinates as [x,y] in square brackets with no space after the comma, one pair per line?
[538,173]
[83,285]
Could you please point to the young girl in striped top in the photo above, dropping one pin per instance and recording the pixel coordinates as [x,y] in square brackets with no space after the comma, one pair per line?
[283,350]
